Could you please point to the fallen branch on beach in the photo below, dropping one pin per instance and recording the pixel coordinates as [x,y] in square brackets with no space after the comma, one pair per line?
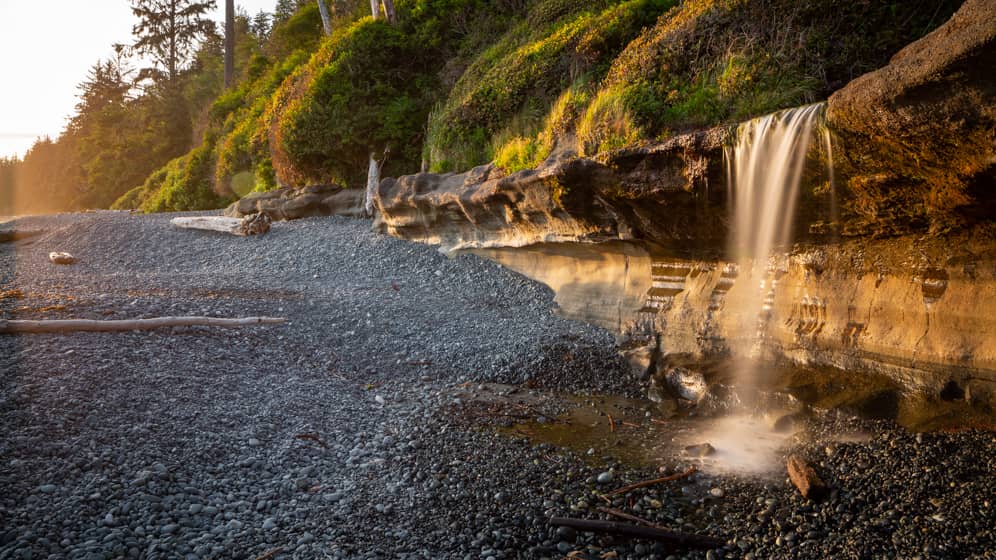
[628,517]
[253,224]
[673,538]
[270,553]
[652,482]
[74,325]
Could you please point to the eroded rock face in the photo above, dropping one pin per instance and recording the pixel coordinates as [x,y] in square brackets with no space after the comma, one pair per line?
[484,208]
[914,151]
[660,192]
[918,310]
[918,136]
[291,204]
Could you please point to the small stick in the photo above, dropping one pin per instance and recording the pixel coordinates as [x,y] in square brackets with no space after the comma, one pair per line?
[630,425]
[314,438]
[674,538]
[270,553]
[612,423]
[652,482]
[627,516]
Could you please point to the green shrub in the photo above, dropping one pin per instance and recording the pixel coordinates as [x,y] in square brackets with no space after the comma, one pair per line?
[607,124]
[364,91]
[186,183]
[519,153]
[713,61]
[521,147]
[302,32]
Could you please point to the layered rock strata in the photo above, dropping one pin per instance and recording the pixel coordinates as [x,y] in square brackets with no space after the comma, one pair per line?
[920,310]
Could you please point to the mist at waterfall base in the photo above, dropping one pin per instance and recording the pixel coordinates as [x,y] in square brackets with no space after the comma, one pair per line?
[764,170]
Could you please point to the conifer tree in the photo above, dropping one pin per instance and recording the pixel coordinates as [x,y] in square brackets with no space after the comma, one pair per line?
[167,32]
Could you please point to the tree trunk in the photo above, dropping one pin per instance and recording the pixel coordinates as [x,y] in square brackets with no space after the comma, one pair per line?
[392,16]
[326,22]
[229,43]
[375,8]
[373,180]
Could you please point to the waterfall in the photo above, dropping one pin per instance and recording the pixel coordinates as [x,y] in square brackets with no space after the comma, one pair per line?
[765,168]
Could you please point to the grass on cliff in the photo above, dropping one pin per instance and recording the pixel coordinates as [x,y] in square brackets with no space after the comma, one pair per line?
[709,62]
[519,77]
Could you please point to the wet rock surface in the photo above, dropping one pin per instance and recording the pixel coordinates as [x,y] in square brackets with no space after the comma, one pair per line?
[909,314]
[340,434]
[917,135]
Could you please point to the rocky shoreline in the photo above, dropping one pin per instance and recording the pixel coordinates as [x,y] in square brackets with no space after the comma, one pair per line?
[350,431]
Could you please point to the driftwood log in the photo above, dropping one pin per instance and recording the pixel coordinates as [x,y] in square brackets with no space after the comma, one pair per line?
[804,477]
[75,325]
[17,235]
[253,224]
[673,538]
[61,258]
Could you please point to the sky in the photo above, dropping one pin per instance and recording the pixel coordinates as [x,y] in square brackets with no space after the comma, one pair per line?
[46,49]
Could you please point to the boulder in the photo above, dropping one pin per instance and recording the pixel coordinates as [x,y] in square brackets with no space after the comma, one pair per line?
[250,204]
[303,205]
[347,202]
[687,384]
[291,204]
[805,479]
[917,137]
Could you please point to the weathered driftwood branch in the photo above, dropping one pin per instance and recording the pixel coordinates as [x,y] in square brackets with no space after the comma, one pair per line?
[253,224]
[652,482]
[804,478]
[270,553]
[628,517]
[17,235]
[61,258]
[673,538]
[73,325]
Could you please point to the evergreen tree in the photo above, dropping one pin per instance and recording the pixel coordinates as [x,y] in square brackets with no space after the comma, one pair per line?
[284,10]
[260,26]
[168,32]
[106,86]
